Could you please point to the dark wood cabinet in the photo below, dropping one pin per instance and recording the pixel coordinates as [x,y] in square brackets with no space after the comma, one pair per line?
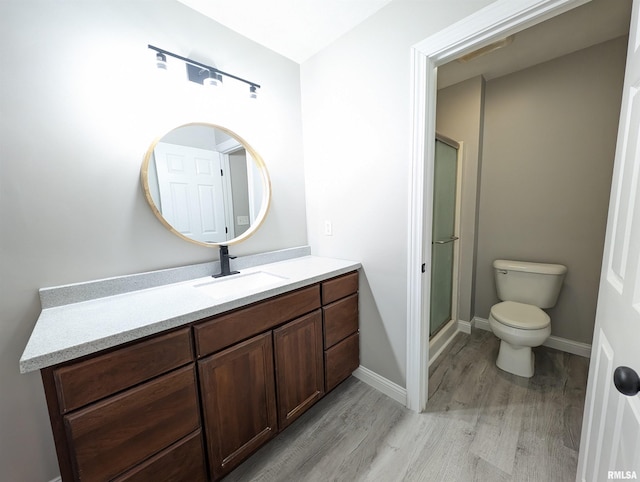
[133,413]
[117,412]
[299,366]
[340,361]
[116,434]
[180,462]
[341,338]
[239,402]
[99,376]
[225,330]
[257,387]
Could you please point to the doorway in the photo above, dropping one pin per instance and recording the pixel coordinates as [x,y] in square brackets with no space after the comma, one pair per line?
[497,21]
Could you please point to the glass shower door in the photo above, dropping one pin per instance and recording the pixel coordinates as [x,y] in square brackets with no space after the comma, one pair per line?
[443,229]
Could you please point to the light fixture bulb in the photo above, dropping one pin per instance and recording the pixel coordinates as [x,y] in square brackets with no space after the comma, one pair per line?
[253,92]
[211,81]
[161,61]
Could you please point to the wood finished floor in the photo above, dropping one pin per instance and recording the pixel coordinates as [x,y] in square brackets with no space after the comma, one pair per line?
[481,424]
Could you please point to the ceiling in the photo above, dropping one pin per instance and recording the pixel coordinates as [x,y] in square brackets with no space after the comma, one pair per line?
[582,27]
[298,29]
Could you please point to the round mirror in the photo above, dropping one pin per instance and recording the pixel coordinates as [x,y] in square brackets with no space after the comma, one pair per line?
[206,184]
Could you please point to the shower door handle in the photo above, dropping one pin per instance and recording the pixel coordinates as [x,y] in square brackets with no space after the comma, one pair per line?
[445,241]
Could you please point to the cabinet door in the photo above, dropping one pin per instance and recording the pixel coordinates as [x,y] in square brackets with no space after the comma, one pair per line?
[238,395]
[299,366]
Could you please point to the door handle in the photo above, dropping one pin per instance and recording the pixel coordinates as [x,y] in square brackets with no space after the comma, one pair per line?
[445,241]
[626,381]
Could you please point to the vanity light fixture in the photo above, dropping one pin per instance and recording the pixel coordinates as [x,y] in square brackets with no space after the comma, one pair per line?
[161,61]
[213,80]
[202,73]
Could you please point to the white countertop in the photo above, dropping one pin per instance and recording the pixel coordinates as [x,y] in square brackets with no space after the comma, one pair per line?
[73,330]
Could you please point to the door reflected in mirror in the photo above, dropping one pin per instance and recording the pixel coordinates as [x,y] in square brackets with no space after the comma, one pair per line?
[206,184]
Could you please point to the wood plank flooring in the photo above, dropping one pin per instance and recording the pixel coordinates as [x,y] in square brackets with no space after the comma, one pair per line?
[482,424]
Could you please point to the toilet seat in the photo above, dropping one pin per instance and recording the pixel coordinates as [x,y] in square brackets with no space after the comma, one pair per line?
[520,315]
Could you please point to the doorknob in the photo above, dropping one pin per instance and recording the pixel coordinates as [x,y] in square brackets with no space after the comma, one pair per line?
[626,381]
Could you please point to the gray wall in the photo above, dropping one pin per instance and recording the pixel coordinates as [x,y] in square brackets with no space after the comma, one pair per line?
[549,143]
[459,113]
[80,102]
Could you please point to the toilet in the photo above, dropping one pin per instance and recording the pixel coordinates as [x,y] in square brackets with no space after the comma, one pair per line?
[518,320]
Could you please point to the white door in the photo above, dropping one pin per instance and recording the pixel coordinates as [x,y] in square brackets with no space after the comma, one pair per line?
[191,191]
[610,442]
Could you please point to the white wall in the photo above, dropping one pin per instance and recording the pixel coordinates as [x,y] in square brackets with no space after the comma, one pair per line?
[357,138]
[79,105]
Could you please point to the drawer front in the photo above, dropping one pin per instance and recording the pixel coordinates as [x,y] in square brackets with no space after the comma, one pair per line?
[225,330]
[336,288]
[340,320]
[340,361]
[103,375]
[116,434]
[182,462]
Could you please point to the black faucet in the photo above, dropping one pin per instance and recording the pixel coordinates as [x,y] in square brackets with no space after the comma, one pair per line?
[225,270]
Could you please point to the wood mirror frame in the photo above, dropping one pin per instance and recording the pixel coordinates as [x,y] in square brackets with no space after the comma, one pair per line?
[261,200]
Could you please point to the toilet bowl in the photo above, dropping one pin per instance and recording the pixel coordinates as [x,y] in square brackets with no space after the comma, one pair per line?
[518,320]
[520,327]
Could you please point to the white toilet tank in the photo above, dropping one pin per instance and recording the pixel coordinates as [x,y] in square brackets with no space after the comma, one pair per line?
[536,284]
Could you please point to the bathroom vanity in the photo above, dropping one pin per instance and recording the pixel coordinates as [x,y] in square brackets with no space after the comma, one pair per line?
[184,381]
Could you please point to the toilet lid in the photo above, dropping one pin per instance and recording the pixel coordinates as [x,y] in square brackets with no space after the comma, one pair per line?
[520,315]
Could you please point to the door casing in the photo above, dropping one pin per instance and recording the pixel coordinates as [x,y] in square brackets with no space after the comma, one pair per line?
[497,20]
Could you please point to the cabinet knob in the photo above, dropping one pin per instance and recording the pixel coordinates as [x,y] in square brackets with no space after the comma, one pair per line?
[626,381]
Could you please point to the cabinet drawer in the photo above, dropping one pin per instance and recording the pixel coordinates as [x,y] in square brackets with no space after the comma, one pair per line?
[113,435]
[103,375]
[337,288]
[341,360]
[182,462]
[225,330]
[340,320]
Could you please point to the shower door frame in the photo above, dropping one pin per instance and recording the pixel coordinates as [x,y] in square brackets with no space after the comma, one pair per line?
[455,268]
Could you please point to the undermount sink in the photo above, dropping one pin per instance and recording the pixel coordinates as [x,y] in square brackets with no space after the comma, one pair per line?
[244,283]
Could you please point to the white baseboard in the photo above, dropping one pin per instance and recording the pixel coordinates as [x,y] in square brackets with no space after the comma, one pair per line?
[464,326]
[481,323]
[441,340]
[381,384]
[556,342]
[57,479]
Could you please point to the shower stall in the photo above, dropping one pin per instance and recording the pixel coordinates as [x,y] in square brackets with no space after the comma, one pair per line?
[444,234]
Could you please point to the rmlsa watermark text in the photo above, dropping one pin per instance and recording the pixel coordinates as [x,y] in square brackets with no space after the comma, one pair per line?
[622,475]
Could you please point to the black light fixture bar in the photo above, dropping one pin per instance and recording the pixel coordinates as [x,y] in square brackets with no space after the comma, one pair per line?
[203,66]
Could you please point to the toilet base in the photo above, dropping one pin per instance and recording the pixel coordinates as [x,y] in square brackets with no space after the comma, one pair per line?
[518,360]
